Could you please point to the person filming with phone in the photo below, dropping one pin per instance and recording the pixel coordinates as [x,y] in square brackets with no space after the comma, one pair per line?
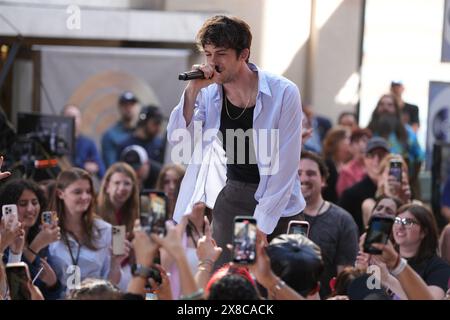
[32,247]
[234,97]
[84,250]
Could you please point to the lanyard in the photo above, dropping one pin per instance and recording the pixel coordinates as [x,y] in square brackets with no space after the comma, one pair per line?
[74,260]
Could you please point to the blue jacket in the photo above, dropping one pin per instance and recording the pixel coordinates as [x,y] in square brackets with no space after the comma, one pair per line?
[86,150]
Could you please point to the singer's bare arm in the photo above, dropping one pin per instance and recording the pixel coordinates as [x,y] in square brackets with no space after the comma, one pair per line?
[193,88]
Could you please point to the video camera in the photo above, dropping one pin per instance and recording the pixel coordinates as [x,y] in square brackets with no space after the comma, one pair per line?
[40,140]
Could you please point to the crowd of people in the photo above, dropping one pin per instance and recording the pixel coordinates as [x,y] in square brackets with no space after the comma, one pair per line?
[335,178]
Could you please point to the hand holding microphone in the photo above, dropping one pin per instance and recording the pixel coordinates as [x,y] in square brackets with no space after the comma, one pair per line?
[197,74]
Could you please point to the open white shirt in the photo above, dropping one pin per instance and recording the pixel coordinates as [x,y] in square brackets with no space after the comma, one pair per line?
[278,106]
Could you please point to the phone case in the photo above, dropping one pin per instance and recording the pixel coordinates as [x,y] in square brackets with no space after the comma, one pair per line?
[9,212]
[303,224]
[48,217]
[118,240]
[18,275]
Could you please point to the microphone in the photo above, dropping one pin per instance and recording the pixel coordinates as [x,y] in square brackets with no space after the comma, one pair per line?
[195,74]
[190,75]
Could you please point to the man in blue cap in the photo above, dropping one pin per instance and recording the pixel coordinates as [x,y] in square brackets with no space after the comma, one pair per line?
[122,130]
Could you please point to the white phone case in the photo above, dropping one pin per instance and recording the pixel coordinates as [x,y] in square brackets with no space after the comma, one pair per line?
[9,213]
[118,240]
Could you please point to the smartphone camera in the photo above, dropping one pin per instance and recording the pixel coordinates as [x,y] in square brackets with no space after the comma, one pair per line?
[153,215]
[18,277]
[395,169]
[244,241]
[48,217]
[380,228]
[298,227]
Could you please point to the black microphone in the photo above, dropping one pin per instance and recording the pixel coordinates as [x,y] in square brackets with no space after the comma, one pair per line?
[190,75]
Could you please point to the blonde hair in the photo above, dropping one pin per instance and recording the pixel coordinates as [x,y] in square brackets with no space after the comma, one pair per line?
[384,165]
[130,209]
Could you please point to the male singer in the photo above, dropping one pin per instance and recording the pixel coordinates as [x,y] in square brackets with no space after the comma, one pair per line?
[235,94]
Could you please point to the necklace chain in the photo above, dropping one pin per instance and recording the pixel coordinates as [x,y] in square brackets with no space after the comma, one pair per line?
[245,108]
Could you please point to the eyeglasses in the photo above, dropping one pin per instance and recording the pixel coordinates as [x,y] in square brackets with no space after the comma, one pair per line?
[406,222]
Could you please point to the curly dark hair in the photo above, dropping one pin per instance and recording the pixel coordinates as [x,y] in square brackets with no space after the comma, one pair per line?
[225,32]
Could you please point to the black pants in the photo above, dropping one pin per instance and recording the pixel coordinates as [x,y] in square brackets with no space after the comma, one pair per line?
[237,199]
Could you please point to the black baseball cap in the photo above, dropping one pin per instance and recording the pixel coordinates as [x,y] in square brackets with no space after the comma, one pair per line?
[150,112]
[127,97]
[396,83]
[135,156]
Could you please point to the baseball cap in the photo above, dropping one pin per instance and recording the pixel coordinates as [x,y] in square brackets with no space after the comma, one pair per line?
[396,82]
[150,112]
[375,143]
[297,260]
[127,97]
[134,155]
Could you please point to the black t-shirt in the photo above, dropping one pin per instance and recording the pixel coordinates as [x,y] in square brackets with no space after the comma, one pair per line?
[335,232]
[353,197]
[434,271]
[237,169]
[411,112]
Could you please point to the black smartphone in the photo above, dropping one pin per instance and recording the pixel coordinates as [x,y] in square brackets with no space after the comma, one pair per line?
[153,212]
[379,230]
[395,169]
[244,240]
[18,277]
[298,227]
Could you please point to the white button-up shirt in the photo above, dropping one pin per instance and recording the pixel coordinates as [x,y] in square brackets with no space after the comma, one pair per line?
[278,106]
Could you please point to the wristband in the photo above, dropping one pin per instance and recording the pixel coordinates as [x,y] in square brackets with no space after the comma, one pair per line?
[32,251]
[399,268]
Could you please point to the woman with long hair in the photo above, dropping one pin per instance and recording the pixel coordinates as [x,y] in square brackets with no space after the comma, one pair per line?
[33,247]
[169,182]
[84,250]
[118,199]
[336,152]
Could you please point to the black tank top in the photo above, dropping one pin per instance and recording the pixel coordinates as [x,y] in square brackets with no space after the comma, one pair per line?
[244,169]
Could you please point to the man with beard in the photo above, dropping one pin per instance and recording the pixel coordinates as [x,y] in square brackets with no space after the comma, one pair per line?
[122,130]
[387,122]
[330,227]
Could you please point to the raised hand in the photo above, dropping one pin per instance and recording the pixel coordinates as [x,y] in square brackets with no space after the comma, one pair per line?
[163,291]
[5,174]
[207,248]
